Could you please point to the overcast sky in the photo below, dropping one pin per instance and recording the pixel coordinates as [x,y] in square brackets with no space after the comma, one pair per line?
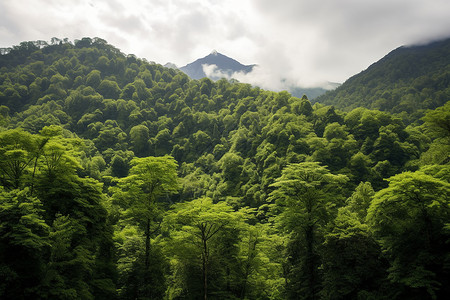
[305,41]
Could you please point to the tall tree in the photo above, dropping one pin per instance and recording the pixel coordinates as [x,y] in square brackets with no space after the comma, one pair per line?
[199,231]
[437,126]
[304,195]
[141,194]
[410,218]
[23,244]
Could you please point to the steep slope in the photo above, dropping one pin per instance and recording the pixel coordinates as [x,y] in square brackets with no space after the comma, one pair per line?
[408,80]
[225,65]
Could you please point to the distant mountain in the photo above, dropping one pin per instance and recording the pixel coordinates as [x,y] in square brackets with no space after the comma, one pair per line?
[312,92]
[408,80]
[218,66]
[225,65]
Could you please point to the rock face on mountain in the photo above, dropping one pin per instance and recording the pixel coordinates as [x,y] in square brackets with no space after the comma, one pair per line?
[224,66]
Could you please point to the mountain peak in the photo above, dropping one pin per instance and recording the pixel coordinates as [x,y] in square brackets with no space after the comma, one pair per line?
[224,66]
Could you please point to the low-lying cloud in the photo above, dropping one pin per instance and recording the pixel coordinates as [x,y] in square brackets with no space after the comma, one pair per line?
[264,78]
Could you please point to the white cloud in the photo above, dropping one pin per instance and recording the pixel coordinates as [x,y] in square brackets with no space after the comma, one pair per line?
[212,71]
[306,42]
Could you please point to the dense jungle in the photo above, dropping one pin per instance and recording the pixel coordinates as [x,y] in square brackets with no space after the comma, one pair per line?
[123,179]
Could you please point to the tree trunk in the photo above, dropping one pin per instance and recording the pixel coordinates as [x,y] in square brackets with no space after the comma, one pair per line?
[310,261]
[205,269]
[147,244]
[251,256]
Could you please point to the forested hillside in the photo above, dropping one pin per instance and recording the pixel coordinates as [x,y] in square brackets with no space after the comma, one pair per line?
[122,179]
[407,81]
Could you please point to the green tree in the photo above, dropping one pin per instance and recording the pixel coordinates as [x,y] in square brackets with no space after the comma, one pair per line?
[353,267]
[438,121]
[360,200]
[200,233]
[4,115]
[18,152]
[261,263]
[304,195]
[109,89]
[61,260]
[141,195]
[231,166]
[93,79]
[352,262]
[437,126]
[23,244]
[139,139]
[410,219]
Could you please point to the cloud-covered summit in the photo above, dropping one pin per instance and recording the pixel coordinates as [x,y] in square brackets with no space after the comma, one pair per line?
[215,66]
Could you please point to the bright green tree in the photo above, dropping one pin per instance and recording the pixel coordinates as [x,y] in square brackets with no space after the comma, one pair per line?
[305,195]
[140,195]
[18,151]
[437,126]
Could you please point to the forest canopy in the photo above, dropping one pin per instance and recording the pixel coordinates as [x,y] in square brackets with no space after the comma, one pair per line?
[123,179]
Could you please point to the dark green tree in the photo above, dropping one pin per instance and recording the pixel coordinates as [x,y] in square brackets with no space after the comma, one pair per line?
[352,261]
[410,219]
[23,244]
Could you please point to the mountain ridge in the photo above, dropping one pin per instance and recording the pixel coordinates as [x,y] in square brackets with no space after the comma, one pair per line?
[408,80]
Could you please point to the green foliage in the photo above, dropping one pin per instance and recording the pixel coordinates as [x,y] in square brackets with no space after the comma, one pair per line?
[437,126]
[305,194]
[139,139]
[23,244]
[351,261]
[407,81]
[360,200]
[17,153]
[86,181]
[204,239]
[409,218]
[52,254]
[140,196]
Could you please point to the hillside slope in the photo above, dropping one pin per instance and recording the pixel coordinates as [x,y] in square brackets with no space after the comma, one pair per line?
[408,80]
